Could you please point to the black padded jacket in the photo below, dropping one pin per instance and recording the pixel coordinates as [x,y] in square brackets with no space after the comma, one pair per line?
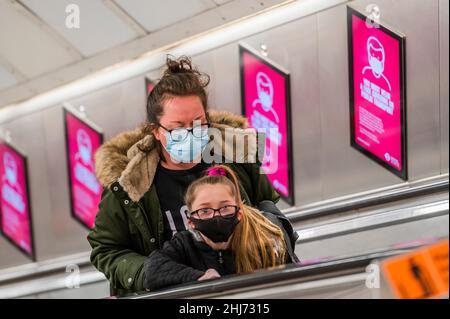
[185,258]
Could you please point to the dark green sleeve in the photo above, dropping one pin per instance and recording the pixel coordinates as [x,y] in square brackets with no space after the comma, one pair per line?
[111,248]
[256,183]
[169,266]
[262,186]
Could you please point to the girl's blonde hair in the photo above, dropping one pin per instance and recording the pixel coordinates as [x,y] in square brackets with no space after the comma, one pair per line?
[256,242]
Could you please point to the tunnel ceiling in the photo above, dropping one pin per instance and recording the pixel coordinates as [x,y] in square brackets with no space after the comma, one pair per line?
[39,52]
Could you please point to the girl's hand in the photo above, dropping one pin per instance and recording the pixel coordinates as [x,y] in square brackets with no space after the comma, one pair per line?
[209,274]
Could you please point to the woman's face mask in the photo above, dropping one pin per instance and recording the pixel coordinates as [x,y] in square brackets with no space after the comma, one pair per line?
[218,228]
[185,151]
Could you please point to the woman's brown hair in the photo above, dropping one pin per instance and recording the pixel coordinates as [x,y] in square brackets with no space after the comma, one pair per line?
[256,242]
[179,78]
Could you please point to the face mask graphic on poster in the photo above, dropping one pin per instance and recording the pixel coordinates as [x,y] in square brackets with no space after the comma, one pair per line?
[373,93]
[84,166]
[12,192]
[379,95]
[265,92]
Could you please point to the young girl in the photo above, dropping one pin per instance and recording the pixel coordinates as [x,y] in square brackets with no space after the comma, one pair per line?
[225,236]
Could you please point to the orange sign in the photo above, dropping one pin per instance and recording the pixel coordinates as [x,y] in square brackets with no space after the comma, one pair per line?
[419,274]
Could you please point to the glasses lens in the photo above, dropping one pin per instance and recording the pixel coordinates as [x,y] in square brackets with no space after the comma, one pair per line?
[205,213]
[228,211]
[200,130]
[179,134]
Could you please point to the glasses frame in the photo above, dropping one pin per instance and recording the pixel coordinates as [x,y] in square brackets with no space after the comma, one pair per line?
[195,212]
[191,130]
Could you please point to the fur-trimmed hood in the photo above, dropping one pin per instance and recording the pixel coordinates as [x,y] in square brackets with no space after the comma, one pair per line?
[131,158]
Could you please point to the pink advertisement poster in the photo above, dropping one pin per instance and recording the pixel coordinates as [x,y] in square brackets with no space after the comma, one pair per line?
[15,211]
[82,142]
[266,104]
[377,93]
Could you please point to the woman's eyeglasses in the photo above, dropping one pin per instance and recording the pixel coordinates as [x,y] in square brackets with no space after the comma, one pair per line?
[207,213]
[180,134]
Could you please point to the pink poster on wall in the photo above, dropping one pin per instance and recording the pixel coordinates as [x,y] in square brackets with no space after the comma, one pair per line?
[15,208]
[82,141]
[377,92]
[265,90]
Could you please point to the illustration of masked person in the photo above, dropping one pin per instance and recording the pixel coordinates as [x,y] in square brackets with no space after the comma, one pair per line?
[11,172]
[10,182]
[377,58]
[84,157]
[84,148]
[264,89]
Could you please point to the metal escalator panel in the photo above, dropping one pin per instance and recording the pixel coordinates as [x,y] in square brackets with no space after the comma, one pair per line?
[326,237]
[344,278]
[375,229]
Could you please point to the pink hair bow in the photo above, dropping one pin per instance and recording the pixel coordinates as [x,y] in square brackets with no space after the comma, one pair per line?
[216,171]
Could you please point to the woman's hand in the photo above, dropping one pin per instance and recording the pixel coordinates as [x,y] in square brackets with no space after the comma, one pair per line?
[209,274]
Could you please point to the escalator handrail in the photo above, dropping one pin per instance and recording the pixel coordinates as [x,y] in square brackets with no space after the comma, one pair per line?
[389,194]
[378,219]
[266,277]
[41,268]
[371,198]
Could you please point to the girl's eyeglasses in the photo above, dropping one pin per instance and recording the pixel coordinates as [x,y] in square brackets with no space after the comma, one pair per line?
[207,213]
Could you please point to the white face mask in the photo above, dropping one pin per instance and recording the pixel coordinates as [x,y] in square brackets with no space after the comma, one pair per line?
[185,151]
[10,169]
[85,154]
[375,48]
[376,65]
[264,88]
[265,99]
[11,175]
[84,146]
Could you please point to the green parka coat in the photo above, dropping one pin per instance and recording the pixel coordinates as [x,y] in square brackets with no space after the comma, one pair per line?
[129,224]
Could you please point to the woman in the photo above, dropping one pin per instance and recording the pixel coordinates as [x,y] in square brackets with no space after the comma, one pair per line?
[145,174]
[225,236]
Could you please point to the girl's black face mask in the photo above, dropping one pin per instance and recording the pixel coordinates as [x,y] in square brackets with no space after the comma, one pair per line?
[218,228]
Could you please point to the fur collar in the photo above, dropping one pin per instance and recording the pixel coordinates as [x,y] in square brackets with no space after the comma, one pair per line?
[131,158]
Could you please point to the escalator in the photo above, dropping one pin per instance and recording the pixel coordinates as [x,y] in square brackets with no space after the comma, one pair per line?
[341,253]
[347,277]
[338,239]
